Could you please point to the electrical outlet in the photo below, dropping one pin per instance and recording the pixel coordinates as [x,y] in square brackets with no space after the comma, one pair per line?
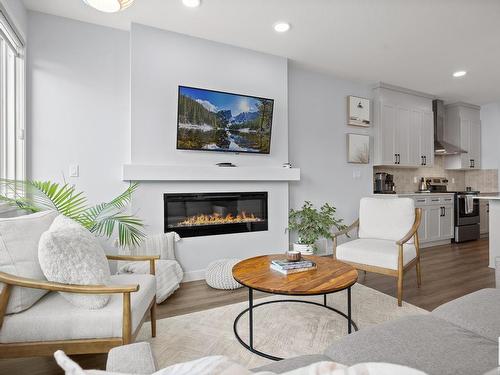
[356,174]
[74,170]
[453,180]
[415,180]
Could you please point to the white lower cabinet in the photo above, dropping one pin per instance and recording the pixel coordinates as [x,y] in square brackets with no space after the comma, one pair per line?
[437,218]
[484,215]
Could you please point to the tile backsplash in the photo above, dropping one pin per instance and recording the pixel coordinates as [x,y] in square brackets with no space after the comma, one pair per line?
[485,180]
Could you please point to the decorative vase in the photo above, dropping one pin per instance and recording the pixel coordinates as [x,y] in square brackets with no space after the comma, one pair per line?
[293,256]
[303,248]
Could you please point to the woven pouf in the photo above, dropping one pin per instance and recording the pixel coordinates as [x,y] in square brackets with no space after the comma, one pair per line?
[219,274]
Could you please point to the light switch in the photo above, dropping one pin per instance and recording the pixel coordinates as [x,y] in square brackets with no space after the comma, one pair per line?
[74,170]
[356,174]
[415,180]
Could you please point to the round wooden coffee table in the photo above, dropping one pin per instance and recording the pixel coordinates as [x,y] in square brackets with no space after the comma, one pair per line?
[330,276]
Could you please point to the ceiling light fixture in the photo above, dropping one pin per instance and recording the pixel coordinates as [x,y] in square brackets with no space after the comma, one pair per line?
[281,27]
[460,73]
[191,3]
[109,6]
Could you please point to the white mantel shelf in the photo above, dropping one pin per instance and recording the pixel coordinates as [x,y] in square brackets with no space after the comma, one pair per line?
[141,172]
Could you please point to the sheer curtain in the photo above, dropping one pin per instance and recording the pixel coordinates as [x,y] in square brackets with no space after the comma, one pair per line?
[12,104]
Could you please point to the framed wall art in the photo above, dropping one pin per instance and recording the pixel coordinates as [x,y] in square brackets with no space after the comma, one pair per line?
[358,148]
[358,111]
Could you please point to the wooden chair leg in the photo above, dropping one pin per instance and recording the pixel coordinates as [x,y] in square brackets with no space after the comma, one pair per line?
[419,273]
[153,318]
[400,289]
[127,320]
[400,276]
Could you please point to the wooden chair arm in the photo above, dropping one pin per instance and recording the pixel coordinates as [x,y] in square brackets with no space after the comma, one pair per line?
[138,258]
[414,228]
[69,288]
[346,230]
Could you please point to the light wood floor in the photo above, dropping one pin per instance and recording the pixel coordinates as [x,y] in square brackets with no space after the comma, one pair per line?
[448,272]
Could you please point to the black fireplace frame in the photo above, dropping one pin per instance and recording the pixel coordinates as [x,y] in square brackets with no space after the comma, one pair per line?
[217,229]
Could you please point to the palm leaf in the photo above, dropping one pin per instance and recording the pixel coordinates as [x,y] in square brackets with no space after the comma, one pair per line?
[101,219]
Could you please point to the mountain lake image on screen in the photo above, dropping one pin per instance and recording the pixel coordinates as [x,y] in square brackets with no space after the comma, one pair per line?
[210,120]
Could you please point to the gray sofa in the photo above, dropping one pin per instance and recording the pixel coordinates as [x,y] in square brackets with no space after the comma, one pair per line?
[458,338]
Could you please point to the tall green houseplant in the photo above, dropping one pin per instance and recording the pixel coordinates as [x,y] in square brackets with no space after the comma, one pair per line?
[102,219]
[311,224]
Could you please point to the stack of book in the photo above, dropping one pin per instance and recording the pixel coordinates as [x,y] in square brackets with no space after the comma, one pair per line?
[287,267]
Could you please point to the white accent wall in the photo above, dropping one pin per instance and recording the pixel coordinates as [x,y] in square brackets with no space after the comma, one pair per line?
[490,136]
[160,62]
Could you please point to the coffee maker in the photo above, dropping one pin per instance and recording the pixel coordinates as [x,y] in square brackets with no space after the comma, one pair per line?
[384,183]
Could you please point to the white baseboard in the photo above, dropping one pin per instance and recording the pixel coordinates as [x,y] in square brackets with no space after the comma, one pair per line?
[194,275]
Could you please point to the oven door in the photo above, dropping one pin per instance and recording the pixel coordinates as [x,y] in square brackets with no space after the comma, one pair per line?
[463,218]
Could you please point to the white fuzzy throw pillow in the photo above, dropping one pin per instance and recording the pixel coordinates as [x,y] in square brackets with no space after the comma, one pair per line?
[70,254]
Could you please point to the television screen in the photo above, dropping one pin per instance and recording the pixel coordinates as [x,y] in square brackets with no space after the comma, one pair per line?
[219,121]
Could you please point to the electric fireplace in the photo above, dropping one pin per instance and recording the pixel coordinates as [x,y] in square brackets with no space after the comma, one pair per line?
[208,214]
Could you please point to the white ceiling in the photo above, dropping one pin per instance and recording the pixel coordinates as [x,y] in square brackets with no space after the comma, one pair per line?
[416,44]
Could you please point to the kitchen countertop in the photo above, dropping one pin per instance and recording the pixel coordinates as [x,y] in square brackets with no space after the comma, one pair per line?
[413,194]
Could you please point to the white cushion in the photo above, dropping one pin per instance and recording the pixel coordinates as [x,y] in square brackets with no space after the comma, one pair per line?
[168,275]
[379,253]
[386,218]
[19,238]
[70,254]
[54,318]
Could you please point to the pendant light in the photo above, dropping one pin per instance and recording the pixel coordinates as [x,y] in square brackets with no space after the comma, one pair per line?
[109,6]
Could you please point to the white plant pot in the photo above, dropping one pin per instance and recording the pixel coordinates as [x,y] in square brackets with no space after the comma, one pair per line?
[304,249]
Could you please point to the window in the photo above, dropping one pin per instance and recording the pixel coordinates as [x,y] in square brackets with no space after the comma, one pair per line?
[12,102]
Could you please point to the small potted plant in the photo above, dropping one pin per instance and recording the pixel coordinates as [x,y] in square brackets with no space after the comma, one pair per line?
[311,225]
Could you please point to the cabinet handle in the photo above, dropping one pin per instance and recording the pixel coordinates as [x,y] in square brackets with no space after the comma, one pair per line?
[421,200]
[471,163]
[395,158]
[425,160]
[399,158]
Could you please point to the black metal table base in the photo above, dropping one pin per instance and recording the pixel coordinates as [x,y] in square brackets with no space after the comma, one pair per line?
[350,323]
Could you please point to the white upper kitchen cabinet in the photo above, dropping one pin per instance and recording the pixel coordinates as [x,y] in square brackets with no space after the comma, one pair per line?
[404,130]
[462,127]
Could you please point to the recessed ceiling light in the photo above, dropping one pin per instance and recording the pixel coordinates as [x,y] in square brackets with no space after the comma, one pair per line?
[109,6]
[281,27]
[459,73]
[191,3]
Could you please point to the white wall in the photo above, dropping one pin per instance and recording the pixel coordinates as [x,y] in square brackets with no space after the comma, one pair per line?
[490,136]
[317,142]
[78,103]
[160,62]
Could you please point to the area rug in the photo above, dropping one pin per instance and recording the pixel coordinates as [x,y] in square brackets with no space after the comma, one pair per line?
[284,329]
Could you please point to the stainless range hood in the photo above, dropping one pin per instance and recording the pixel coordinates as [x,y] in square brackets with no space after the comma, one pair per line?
[442,147]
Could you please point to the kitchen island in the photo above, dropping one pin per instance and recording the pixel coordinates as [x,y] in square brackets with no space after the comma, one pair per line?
[494,201]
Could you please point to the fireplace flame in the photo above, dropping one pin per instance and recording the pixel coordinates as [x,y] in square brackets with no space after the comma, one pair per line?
[216,218]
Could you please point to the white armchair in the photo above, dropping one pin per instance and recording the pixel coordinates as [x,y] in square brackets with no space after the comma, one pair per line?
[387,239]
[36,320]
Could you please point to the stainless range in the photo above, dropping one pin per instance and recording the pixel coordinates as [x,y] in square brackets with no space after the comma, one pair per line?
[466,216]
[466,209]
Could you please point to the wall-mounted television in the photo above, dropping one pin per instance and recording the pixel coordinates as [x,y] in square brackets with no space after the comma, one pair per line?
[209,120]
